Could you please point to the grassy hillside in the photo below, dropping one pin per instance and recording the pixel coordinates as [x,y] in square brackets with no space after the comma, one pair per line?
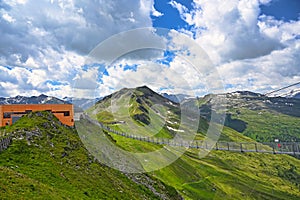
[220,175]
[142,109]
[224,175]
[48,161]
[259,117]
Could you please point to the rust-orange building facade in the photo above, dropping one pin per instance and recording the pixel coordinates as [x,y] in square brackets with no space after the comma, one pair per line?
[12,112]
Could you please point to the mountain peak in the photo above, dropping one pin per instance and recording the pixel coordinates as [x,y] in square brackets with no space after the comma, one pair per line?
[43,96]
[247,93]
[145,89]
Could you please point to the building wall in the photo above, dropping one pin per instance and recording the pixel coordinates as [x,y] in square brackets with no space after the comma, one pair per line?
[64,112]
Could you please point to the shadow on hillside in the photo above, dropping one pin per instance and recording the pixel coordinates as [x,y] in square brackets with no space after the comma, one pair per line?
[236,124]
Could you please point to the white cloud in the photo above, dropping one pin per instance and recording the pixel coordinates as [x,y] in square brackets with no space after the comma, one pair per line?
[8,18]
[156,13]
[181,8]
[233,33]
[252,51]
[285,32]
[280,68]
[48,40]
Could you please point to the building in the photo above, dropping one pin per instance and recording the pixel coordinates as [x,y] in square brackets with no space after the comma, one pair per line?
[12,112]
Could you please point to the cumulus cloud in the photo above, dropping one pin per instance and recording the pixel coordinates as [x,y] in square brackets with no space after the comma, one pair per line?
[75,25]
[48,40]
[229,30]
[156,76]
[252,51]
[44,47]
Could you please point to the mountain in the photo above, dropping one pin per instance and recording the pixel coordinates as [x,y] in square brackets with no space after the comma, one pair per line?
[178,98]
[297,96]
[82,102]
[47,160]
[79,104]
[294,94]
[220,174]
[41,99]
[257,116]
[138,101]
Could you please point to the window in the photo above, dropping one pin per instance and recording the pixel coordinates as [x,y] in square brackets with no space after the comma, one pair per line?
[67,113]
[6,115]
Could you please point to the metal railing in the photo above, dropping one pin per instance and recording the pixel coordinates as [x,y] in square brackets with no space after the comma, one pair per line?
[290,148]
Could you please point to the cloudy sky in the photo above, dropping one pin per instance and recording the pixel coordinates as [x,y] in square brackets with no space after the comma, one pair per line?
[45,46]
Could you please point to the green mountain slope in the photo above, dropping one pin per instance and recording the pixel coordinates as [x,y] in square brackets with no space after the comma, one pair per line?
[257,116]
[219,175]
[141,108]
[47,160]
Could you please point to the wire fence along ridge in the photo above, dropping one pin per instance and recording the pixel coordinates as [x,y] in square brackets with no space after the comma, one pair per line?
[291,148]
[5,142]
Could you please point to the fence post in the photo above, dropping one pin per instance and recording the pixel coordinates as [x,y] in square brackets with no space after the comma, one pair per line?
[256,147]
[241,147]
[228,146]
[273,148]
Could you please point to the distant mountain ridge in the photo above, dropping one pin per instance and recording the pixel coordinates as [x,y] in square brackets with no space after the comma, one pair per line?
[80,103]
[256,115]
[294,94]
[83,103]
[177,98]
[41,99]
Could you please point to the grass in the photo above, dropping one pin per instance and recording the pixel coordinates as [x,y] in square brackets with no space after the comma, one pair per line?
[265,126]
[261,118]
[232,176]
[56,165]
[226,175]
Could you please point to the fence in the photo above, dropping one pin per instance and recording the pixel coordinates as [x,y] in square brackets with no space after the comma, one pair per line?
[291,148]
[5,142]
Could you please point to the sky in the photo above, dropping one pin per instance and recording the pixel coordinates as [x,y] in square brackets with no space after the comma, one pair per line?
[46,45]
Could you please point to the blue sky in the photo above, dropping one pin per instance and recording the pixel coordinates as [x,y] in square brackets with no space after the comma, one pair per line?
[44,45]
[170,18]
[282,9]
